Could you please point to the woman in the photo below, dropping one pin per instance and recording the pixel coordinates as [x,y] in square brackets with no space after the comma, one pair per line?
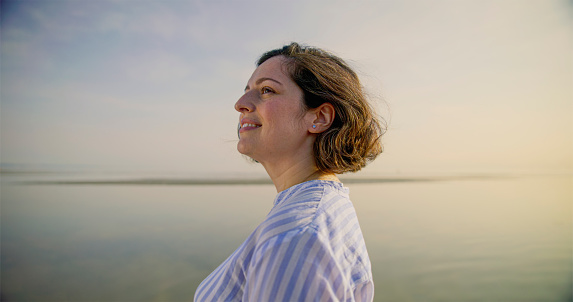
[305,118]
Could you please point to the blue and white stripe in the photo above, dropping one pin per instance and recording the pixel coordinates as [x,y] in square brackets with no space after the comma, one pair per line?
[309,248]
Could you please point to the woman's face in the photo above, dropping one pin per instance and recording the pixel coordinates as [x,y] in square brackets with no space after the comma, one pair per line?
[273,123]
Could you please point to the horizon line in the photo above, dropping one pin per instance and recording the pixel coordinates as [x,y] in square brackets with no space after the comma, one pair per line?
[257,180]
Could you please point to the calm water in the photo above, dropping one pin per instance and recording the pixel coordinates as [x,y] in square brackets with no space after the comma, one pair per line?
[506,239]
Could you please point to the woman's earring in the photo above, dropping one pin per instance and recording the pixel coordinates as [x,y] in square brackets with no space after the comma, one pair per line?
[314,126]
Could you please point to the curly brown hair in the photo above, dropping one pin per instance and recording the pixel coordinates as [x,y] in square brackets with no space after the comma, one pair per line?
[353,139]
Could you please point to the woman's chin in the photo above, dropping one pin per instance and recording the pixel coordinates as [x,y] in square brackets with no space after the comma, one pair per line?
[243,148]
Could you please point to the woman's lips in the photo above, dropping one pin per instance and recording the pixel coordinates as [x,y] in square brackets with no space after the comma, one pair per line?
[248,126]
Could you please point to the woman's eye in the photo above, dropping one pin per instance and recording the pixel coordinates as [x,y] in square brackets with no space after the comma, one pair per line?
[266,90]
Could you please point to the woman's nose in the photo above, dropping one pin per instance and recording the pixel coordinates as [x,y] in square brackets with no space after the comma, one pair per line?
[244,104]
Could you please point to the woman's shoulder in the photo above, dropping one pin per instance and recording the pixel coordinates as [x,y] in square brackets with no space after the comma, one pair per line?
[298,208]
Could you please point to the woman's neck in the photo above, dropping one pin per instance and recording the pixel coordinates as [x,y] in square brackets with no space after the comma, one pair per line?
[289,174]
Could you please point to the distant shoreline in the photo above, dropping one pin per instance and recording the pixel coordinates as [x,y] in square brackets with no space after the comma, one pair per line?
[247,181]
[62,177]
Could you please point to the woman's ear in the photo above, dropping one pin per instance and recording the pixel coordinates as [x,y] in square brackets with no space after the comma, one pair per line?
[323,117]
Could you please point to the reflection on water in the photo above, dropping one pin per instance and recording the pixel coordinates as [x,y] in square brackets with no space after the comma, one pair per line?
[502,240]
[464,240]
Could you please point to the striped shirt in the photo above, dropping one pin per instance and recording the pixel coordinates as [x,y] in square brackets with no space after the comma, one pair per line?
[309,248]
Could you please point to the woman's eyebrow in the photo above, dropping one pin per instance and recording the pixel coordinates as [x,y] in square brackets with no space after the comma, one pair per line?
[262,80]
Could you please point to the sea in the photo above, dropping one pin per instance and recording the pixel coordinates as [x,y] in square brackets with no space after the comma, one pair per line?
[85,237]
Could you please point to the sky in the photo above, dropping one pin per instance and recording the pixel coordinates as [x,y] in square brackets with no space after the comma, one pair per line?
[465,86]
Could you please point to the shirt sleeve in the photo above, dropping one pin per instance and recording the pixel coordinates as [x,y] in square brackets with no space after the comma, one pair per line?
[300,266]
